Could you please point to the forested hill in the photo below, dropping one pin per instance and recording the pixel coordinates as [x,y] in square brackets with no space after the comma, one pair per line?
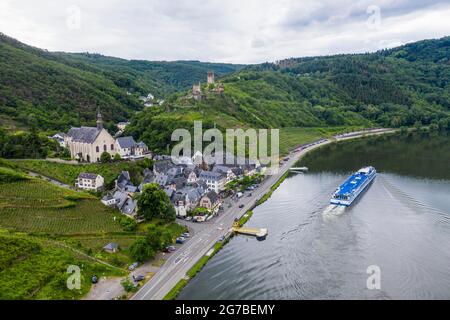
[59,90]
[404,86]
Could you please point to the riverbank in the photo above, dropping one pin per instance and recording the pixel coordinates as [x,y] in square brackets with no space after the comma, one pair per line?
[176,268]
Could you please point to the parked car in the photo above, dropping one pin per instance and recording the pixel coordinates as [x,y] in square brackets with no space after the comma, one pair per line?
[169,249]
[222,238]
[186,235]
[181,240]
[133,266]
[94,279]
[241,206]
[189,218]
[138,278]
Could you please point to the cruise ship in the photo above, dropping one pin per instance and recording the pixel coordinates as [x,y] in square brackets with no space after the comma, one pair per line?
[353,186]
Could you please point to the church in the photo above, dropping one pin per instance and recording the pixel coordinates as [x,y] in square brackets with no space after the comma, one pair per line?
[88,143]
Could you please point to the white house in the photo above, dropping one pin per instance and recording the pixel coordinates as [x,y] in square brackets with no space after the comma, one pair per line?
[215,181]
[90,181]
[59,137]
[122,125]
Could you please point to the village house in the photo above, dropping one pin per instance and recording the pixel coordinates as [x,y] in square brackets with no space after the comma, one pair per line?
[128,148]
[88,143]
[59,137]
[215,181]
[111,247]
[211,201]
[124,184]
[90,181]
[122,125]
[227,171]
[187,199]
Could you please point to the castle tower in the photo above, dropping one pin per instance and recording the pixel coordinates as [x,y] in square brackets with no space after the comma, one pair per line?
[99,119]
[210,77]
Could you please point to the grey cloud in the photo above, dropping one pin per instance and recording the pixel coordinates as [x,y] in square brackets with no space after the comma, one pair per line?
[244,31]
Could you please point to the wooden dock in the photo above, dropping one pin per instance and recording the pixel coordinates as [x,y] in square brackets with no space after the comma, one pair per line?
[259,233]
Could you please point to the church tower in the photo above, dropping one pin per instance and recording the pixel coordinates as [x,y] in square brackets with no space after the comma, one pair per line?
[99,120]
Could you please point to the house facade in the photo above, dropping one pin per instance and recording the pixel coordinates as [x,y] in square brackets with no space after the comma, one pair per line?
[211,201]
[128,148]
[90,181]
[88,143]
[215,181]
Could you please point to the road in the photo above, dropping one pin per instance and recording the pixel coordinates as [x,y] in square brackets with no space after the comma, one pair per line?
[211,231]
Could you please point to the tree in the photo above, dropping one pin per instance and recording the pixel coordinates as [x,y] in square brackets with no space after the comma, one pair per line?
[105,157]
[153,203]
[117,157]
[141,251]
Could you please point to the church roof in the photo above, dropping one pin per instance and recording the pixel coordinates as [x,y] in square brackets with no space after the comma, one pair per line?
[126,142]
[84,134]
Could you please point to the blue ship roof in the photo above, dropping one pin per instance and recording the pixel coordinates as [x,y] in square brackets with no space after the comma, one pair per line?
[352,184]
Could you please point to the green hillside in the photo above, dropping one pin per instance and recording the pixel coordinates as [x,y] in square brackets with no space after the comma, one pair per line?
[405,86]
[59,90]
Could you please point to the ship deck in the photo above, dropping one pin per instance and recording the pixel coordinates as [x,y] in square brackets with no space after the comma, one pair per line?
[352,183]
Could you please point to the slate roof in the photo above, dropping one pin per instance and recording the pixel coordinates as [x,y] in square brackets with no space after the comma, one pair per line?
[124,180]
[91,176]
[210,175]
[126,142]
[111,246]
[142,145]
[84,134]
[213,196]
[163,166]
[129,206]
[169,192]
[121,198]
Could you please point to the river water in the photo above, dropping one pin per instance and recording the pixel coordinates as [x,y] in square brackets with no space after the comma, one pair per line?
[400,226]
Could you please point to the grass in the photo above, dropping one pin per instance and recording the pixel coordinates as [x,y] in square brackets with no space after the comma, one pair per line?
[292,137]
[175,291]
[30,268]
[67,173]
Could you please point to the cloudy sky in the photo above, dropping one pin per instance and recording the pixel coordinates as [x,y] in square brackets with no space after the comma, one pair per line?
[238,31]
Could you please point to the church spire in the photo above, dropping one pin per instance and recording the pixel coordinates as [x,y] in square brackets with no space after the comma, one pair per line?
[99,119]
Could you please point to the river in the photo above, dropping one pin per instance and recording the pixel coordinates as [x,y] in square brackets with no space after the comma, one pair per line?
[400,226]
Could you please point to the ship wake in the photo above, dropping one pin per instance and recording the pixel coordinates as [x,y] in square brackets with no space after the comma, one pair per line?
[333,211]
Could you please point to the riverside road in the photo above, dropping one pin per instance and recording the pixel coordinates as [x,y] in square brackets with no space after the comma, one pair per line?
[208,233]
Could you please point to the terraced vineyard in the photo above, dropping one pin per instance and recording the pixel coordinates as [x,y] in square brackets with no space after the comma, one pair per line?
[36,206]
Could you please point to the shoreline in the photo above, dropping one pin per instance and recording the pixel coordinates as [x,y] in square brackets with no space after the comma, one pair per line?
[159,288]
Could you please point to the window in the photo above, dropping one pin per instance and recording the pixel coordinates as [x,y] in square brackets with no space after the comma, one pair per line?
[97,149]
[104,148]
[112,147]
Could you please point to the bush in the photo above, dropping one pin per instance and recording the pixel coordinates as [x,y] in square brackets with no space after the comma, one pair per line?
[141,251]
[105,157]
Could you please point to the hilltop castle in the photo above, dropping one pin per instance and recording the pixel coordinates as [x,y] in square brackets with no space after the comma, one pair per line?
[212,87]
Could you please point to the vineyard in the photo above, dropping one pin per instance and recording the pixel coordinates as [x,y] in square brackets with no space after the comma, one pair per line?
[36,206]
[67,173]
